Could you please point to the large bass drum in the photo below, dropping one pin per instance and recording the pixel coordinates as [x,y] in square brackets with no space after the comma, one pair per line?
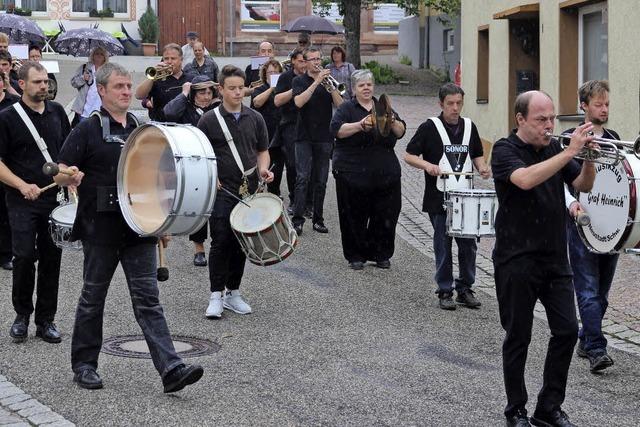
[166,179]
[614,208]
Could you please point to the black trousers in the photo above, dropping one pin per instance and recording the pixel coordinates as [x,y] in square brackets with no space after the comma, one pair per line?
[32,242]
[277,161]
[312,165]
[226,259]
[199,236]
[368,211]
[288,148]
[519,283]
[6,253]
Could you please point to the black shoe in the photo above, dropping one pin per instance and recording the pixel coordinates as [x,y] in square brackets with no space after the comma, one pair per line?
[298,229]
[88,379]
[385,263]
[320,227]
[580,349]
[7,265]
[356,265]
[518,419]
[467,299]
[20,328]
[308,213]
[48,332]
[199,259]
[446,301]
[554,419]
[182,376]
[599,362]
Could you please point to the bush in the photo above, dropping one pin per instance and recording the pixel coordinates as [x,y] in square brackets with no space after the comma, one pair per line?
[148,26]
[382,74]
[404,59]
[19,11]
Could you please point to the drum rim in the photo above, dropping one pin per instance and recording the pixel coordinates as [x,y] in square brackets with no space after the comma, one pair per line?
[64,206]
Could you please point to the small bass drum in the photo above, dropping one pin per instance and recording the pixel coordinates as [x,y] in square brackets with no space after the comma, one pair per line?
[167,177]
[60,225]
[471,213]
[614,208]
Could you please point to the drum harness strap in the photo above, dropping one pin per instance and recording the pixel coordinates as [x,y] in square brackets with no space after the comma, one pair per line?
[244,188]
[450,182]
[42,145]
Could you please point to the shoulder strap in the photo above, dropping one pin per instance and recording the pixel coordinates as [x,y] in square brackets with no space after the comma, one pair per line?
[104,124]
[444,136]
[232,145]
[34,133]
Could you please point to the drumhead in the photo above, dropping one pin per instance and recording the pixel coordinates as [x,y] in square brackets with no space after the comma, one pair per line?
[264,211]
[474,192]
[65,214]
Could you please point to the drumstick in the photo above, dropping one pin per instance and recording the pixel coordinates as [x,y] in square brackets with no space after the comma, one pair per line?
[53,184]
[444,174]
[163,270]
[52,169]
[234,196]
[582,218]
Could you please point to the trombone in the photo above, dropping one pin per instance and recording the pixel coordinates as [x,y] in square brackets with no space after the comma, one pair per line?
[610,151]
[159,72]
[331,84]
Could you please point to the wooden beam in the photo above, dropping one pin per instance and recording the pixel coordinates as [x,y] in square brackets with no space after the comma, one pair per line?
[519,12]
[568,4]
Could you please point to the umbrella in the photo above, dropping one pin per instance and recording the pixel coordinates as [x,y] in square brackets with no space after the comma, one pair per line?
[21,30]
[312,24]
[81,41]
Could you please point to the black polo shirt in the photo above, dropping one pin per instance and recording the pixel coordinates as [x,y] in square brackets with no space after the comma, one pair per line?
[315,116]
[164,91]
[289,111]
[20,153]
[359,153]
[86,149]
[270,113]
[250,76]
[8,100]
[530,222]
[249,133]
[426,142]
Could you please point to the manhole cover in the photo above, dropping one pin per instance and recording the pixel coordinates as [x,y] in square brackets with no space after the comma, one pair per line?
[135,346]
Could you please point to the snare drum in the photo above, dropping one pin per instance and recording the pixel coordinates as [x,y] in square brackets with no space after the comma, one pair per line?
[264,230]
[471,213]
[614,208]
[166,180]
[60,225]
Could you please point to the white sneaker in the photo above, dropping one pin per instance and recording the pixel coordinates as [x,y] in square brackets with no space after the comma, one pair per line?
[234,302]
[215,305]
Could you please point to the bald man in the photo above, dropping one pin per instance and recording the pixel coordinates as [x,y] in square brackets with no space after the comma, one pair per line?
[265,48]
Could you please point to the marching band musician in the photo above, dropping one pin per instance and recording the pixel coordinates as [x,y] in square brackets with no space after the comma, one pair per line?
[265,48]
[592,273]
[530,253]
[94,146]
[197,97]
[31,133]
[10,84]
[158,93]
[450,144]
[367,174]
[314,141]
[262,100]
[239,138]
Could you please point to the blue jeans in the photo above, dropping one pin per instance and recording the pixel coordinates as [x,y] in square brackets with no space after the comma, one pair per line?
[444,268]
[139,266]
[311,156]
[592,278]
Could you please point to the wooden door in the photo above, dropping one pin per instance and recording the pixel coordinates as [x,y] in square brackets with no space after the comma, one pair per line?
[179,16]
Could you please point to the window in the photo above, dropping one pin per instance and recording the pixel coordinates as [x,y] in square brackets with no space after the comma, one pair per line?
[84,6]
[448,40]
[482,95]
[593,46]
[34,5]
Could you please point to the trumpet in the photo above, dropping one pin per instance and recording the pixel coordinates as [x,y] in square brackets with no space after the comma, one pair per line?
[16,64]
[331,84]
[610,151]
[159,72]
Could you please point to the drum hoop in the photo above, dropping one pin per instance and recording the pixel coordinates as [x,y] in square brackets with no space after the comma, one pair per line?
[268,227]
[56,221]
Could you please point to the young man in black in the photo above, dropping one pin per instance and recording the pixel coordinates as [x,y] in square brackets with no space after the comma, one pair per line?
[158,93]
[438,141]
[107,240]
[314,141]
[28,206]
[249,133]
[530,253]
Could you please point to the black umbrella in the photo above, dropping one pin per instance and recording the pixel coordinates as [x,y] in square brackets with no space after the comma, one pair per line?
[21,30]
[312,24]
[81,41]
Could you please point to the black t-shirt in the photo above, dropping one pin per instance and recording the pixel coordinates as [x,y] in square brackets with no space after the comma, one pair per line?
[8,100]
[98,159]
[315,116]
[270,113]
[249,133]
[251,75]
[20,153]
[359,153]
[530,222]
[427,143]
[164,91]
[289,111]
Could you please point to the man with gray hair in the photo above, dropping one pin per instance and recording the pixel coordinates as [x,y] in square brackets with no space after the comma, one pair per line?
[94,147]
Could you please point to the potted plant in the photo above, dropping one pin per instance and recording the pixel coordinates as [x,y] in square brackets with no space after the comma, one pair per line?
[149,28]
[22,12]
